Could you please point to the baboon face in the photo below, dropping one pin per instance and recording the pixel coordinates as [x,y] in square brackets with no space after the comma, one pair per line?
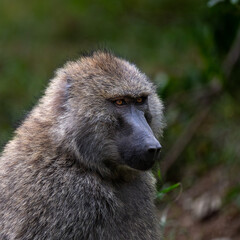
[135,140]
[112,113]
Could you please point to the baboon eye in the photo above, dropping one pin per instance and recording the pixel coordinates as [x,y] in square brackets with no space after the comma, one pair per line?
[120,102]
[140,100]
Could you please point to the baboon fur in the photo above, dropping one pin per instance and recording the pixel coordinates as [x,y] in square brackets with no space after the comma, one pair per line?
[54,180]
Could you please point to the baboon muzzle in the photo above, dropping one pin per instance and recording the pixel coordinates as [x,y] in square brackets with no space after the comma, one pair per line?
[137,144]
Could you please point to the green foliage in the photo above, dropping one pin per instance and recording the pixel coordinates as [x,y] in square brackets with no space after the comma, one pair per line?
[166,190]
[212,3]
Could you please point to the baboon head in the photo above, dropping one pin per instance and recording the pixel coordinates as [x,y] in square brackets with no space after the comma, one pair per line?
[107,113]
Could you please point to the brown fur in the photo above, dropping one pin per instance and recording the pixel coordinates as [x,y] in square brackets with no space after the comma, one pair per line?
[53,181]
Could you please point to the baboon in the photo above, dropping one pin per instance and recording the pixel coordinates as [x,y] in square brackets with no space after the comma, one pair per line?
[79,165]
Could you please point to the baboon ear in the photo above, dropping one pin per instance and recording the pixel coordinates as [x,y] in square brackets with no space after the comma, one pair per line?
[69,83]
[68,87]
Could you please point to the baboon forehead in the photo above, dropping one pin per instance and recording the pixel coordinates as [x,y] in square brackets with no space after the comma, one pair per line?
[109,76]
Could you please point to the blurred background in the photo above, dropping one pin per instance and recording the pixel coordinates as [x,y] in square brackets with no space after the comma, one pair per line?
[190,49]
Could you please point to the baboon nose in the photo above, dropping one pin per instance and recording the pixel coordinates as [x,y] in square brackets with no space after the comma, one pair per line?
[153,152]
[155,149]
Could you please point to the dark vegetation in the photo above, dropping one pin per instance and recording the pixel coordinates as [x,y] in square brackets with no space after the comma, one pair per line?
[189,48]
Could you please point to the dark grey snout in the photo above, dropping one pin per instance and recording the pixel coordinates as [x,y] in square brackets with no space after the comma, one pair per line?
[137,144]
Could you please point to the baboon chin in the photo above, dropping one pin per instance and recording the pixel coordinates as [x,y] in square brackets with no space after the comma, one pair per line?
[77,167]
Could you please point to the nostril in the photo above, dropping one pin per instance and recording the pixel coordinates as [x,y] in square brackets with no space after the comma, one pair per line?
[152,150]
[155,149]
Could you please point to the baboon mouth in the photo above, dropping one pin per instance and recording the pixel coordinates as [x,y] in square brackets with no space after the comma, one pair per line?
[141,164]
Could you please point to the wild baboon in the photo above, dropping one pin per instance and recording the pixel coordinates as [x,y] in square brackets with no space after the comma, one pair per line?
[78,166]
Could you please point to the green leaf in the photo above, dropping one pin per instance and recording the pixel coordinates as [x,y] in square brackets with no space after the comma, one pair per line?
[159,174]
[166,190]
